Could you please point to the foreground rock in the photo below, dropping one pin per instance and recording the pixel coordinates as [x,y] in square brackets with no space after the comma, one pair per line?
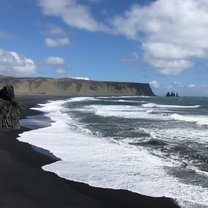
[9,108]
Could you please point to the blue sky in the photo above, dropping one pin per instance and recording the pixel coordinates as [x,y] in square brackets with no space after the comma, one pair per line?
[161,42]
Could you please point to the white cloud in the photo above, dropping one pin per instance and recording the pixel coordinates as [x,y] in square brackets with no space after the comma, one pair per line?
[56,42]
[154,84]
[170,67]
[72,13]
[55,63]
[56,37]
[61,71]
[52,61]
[174,33]
[14,64]
[191,86]
[81,78]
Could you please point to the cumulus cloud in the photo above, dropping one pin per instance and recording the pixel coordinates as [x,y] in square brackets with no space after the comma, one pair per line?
[53,61]
[14,64]
[173,33]
[72,13]
[56,37]
[154,84]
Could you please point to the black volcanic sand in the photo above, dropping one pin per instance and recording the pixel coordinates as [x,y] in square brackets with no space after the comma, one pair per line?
[24,184]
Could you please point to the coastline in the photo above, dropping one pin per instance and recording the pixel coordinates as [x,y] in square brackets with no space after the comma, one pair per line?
[24,184]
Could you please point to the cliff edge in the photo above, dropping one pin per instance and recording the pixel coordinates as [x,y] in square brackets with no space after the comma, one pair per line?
[9,108]
[74,87]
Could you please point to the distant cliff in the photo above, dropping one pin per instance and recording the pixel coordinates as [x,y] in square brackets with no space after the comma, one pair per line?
[9,108]
[74,87]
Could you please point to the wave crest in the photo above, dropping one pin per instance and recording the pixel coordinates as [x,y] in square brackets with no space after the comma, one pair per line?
[154,105]
[200,120]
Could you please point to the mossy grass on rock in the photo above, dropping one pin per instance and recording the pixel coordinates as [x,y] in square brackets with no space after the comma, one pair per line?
[9,108]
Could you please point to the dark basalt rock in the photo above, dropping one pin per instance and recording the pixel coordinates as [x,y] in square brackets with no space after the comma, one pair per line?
[168,94]
[9,108]
[172,94]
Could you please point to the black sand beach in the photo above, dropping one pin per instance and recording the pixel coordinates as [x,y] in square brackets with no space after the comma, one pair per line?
[24,184]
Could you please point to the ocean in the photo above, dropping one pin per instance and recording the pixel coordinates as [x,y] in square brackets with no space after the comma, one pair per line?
[156,146]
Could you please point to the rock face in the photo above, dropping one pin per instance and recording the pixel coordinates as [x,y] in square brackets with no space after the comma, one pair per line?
[74,87]
[9,108]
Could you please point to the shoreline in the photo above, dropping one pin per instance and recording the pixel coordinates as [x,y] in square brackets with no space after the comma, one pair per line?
[23,181]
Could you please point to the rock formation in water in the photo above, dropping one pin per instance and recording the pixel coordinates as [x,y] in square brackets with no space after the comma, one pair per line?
[172,94]
[9,108]
[74,87]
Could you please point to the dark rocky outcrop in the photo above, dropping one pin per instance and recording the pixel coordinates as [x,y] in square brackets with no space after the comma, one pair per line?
[9,108]
[74,87]
[172,94]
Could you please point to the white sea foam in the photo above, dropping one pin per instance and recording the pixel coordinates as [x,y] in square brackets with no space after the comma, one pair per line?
[125,97]
[179,134]
[200,120]
[124,101]
[101,162]
[80,99]
[153,105]
[145,111]
[135,112]
[183,136]
[132,101]
[123,111]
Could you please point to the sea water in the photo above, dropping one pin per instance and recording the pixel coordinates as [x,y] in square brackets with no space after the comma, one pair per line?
[156,146]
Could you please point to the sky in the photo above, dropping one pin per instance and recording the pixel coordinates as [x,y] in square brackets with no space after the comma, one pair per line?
[161,42]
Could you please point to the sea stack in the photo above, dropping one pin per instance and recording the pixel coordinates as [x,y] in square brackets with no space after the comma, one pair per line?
[172,94]
[9,108]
